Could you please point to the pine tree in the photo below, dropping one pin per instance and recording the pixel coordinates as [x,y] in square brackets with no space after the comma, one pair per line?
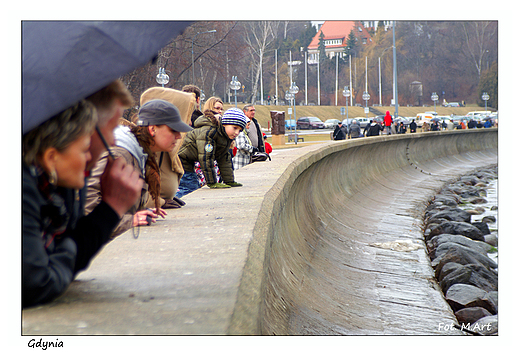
[321,47]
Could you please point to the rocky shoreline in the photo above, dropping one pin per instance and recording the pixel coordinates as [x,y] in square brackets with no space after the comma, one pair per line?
[463,250]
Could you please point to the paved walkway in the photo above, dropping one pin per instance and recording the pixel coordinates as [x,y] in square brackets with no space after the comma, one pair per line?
[180,276]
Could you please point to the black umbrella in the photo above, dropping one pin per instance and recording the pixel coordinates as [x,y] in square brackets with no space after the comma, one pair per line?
[65,61]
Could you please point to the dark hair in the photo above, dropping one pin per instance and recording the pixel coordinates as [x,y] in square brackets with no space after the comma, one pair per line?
[152,175]
[192,88]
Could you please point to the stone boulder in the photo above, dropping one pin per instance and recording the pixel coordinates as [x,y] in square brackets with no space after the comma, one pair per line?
[486,326]
[461,228]
[492,239]
[446,199]
[472,274]
[482,226]
[452,189]
[470,192]
[477,200]
[487,175]
[461,296]
[469,180]
[471,314]
[489,219]
[436,241]
[450,214]
[491,299]
[476,211]
[460,254]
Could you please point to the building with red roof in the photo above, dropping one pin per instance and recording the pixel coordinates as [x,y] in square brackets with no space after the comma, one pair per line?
[336,36]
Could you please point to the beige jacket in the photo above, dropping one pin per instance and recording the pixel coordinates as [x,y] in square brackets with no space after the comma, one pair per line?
[94,189]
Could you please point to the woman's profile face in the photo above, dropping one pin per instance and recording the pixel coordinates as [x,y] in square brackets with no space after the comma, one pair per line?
[218,107]
[70,164]
[164,138]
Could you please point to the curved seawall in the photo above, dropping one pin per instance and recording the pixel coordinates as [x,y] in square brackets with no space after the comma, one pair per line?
[344,252]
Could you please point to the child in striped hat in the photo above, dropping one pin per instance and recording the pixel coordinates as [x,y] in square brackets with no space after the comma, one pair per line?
[210,141]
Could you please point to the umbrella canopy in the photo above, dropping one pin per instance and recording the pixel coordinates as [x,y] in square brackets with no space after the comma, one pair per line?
[66,61]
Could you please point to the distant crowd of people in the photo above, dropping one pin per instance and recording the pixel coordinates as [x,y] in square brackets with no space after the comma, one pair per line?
[391,126]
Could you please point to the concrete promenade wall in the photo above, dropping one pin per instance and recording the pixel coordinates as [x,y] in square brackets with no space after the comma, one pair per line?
[326,268]
[306,246]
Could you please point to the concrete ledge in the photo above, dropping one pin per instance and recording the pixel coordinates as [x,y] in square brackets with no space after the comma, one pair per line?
[290,252]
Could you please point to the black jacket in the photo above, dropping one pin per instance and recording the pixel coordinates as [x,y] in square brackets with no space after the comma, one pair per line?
[196,114]
[50,258]
[374,129]
[260,136]
[339,133]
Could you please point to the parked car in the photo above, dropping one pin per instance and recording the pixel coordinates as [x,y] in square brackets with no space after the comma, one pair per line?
[290,124]
[331,123]
[478,115]
[347,121]
[362,121]
[452,104]
[423,118]
[309,123]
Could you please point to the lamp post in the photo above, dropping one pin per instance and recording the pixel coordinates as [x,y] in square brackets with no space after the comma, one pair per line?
[235,85]
[485,97]
[366,97]
[192,60]
[202,98]
[162,78]
[346,93]
[434,98]
[289,96]
[293,90]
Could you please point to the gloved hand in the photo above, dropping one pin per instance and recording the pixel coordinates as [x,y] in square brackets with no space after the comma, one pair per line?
[218,185]
[234,184]
[255,150]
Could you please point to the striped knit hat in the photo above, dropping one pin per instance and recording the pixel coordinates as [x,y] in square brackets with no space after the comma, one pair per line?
[234,116]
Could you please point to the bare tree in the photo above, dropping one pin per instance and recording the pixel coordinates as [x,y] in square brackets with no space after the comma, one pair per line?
[259,35]
[479,37]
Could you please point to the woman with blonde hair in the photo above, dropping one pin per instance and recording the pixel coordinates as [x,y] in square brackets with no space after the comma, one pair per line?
[215,105]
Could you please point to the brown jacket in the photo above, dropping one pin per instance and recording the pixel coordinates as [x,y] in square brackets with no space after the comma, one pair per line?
[94,189]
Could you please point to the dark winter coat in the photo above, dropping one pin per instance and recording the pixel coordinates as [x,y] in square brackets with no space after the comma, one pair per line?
[355,130]
[339,133]
[374,129]
[57,241]
[413,127]
[206,143]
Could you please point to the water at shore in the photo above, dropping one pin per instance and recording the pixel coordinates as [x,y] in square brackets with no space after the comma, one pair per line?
[491,209]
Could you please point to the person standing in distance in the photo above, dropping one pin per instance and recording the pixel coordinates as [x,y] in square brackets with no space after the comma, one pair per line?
[255,131]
